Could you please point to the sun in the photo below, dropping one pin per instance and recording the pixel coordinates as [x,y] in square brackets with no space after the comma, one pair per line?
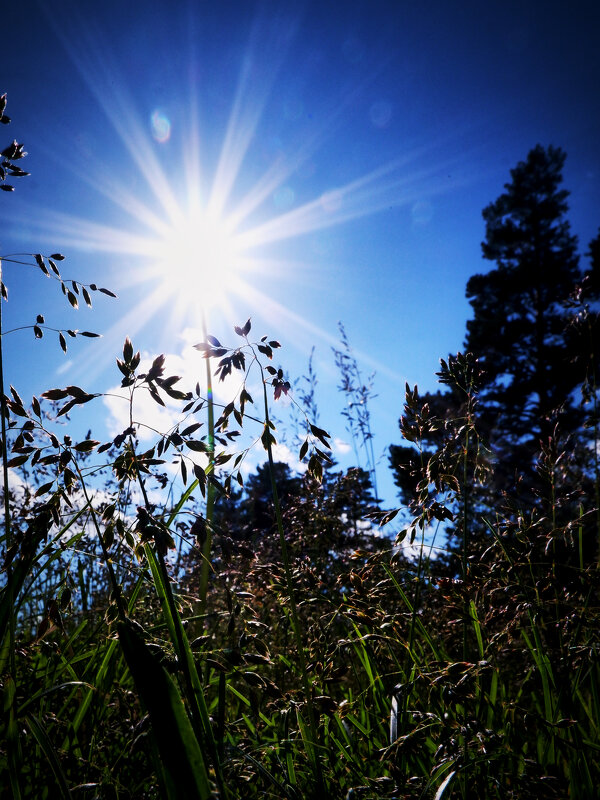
[199,259]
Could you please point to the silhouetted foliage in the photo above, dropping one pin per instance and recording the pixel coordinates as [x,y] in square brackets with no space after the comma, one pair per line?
[521,328]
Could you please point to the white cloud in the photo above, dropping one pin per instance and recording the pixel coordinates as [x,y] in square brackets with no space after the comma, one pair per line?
[16,484]
[281,452]
[341,447]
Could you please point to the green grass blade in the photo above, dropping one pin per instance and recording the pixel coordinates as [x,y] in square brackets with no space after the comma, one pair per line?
[178,748]
[421,628]
[194,691]
[41,737]
[476,627]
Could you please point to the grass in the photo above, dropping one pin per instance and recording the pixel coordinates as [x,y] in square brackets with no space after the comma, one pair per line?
[122,678]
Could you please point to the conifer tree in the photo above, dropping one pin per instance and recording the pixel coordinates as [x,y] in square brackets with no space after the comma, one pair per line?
[526,332]
[520,319]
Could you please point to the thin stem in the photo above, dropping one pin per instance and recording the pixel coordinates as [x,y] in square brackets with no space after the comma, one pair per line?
[109,564]
[210,489]
[7,518]
[13,727]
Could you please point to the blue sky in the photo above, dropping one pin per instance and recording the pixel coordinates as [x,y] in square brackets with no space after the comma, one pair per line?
[349,147]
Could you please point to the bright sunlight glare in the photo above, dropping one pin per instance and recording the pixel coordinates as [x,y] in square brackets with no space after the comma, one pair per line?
[199,259]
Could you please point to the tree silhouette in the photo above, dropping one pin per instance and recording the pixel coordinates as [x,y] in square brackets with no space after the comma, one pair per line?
[533,332]
[519,331]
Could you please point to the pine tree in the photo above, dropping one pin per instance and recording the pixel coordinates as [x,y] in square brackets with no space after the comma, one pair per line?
[520,319]
[533,332]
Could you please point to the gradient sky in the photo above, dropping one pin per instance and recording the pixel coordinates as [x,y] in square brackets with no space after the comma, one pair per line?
[351,145]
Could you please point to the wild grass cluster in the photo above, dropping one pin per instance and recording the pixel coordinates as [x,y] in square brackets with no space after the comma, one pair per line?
[173,628]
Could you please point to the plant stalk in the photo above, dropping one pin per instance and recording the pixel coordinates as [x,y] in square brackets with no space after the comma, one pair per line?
[210,489]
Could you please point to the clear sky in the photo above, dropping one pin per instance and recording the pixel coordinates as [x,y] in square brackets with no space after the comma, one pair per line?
[340,154]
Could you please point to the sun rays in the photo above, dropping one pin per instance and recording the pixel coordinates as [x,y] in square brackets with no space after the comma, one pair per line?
[199,238]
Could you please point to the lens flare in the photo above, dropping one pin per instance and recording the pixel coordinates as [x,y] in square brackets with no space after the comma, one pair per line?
[160,125]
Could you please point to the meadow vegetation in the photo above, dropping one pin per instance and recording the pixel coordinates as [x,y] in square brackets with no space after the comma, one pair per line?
[171,628]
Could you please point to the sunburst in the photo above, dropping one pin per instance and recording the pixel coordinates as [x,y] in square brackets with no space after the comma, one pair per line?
[198,241]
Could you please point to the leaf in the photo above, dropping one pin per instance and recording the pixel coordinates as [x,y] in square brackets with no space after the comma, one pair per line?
[321,435]
[72,299]
[86,445]
[181,759]
[267,438]
[183,468]
[17,461]
[63,341]
[16,408]
[12,150]
[197,446]
[157,368]
[201,478]
[57,256]
[213,340]
[90,335]
[127,350]
[315,468]
[323,456]
[16,395]
[37,332]
[238,359]
[108,292]
[40,263]
[54,267]
[155,395]
[303,449]
[444,785]
[40,319]
[44,488]
[66,408]
[86,296]
[55,394]
[265,350]
[191,428]
[245,330]
[281,386]
[78,392]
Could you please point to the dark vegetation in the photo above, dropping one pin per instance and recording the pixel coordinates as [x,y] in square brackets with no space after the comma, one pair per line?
[264,639]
